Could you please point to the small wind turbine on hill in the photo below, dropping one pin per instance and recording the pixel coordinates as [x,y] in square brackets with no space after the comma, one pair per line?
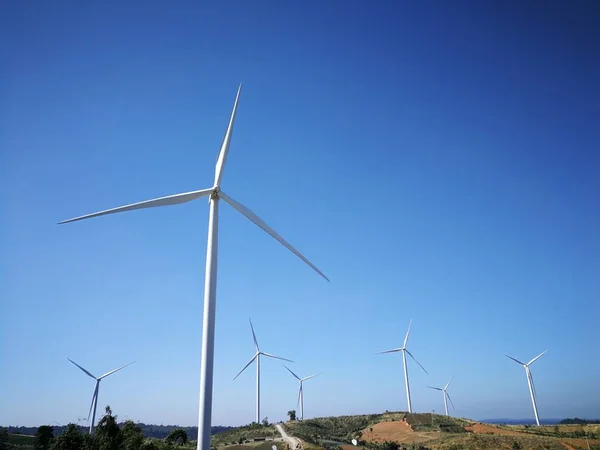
[96,389]
[210,281]
[404,351]
[530,382]
[257,358]
[445,394]
[300,392]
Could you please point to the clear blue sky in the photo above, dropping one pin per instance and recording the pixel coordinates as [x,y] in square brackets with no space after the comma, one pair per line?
[437,160]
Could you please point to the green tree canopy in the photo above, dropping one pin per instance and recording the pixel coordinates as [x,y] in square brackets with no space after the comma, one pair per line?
[132,436]
[177,436]
[43,437]
[107,435]
[72,439]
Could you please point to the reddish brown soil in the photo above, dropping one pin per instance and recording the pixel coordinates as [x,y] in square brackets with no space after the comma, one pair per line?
[399,431]
[480,428]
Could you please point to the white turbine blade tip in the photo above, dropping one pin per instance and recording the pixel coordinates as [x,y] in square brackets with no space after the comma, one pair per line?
[222,158]
[537,357]
[407,333]
[394,350]
[250,362]
[254,336]
[82,368]
[276,357]
[311,376]
[515,360]
[162,201]
[116,370]
[250,215]
[290,371]
[415,359]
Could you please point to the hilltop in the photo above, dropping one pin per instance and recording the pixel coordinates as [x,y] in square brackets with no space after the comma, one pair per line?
[397,430]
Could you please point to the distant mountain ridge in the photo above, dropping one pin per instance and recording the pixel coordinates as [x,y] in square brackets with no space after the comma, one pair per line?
[149,430]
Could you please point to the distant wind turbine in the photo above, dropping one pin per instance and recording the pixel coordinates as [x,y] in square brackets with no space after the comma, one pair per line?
[530,382]
[300,392]
[445,394]
[210,281]
[404,351]
[96,389]
[257,358]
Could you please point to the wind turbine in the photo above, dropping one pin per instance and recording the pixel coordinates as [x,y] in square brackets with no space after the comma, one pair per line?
[530,382]
[257,358]
[210,281]
[404,351]
[445,394]
[95,396]
[300,392]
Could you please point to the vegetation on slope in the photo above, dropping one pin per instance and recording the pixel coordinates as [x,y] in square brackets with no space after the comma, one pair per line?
[436,432]
[246,434]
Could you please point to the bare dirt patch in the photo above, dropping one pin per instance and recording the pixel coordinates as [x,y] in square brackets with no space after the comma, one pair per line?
[399,431]
[480,428]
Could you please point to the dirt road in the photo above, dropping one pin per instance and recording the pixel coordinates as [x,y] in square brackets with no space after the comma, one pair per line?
[293,442]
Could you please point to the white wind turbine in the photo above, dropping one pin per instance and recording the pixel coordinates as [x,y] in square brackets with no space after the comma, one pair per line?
[530,382]
[445,394]
[300,391]
[210,281]
[95,396]
[257,358]
[404,351]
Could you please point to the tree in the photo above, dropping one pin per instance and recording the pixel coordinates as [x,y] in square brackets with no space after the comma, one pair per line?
[43,437]
[178,436]
[265,422]
[71,439]
[292,414]
[4,439]
[107,435]
[132,436]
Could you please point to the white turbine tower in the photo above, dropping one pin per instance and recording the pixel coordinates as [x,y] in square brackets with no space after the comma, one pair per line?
[530,382]
[404,351]
[96,389]
[445,394]
[257,358]
[300,391]
[210,281]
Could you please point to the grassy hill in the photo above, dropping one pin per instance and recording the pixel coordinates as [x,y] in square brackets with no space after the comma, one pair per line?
[393,430]
[253,433]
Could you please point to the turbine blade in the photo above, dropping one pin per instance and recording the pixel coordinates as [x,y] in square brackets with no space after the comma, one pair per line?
[290,371]
[312,376]
[449,383]
[415,359]
[261,224]
[532,383]
[162,201]
[515,360]
[116,370]
[253,358]
[93,399]
[82,368]
[407,333]
[389,351]
[276,357]
[222,158]
[451,402]
[537,357]
[437,389]
[299,394]
[254,336]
